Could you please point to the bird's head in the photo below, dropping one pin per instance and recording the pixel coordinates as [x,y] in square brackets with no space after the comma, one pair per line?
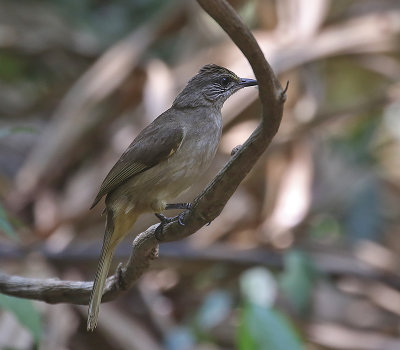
[212,85]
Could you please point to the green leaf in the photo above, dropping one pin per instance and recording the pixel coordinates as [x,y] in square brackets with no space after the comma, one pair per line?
[263,328]
[25,313]
[298,279]
[5,225]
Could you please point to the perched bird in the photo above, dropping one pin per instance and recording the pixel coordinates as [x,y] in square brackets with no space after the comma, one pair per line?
[165,159]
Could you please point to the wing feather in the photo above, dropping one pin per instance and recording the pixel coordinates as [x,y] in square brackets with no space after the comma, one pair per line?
[156,143]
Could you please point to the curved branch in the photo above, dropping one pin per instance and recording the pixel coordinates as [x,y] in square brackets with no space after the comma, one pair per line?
[207,206]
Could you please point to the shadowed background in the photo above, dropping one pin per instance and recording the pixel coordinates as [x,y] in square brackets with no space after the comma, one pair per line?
[311,234]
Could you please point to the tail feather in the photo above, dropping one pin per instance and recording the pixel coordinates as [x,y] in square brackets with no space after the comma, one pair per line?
[115,231]
[98,286]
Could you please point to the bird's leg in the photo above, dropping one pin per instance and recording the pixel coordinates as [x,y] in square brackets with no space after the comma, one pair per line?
[164,220]
[187,206]
[160,228]
[180,217]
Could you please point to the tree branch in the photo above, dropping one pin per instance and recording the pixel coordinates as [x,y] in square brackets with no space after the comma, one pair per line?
[207,206]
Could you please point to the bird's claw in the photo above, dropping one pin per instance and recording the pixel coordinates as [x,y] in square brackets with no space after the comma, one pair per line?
[181,217]
[160,228]
[164,220]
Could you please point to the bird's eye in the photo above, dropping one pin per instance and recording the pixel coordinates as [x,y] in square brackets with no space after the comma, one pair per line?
[225,82]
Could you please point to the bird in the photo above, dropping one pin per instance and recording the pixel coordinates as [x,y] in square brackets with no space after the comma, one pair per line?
[164,160]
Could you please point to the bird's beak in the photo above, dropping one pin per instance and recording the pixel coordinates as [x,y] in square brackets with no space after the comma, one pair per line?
[247,82]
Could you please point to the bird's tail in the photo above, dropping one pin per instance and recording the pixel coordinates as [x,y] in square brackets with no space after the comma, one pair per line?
[116,229]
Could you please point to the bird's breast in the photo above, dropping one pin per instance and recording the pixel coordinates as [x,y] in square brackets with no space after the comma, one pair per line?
[197,150]
[163,182]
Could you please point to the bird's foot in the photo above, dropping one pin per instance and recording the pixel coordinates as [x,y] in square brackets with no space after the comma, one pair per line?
[160,228]
[164,220]
[181,216]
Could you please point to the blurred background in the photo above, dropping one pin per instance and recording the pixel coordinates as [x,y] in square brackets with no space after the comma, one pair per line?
[306,253]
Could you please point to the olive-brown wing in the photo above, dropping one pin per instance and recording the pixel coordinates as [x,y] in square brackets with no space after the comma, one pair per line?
[155,144]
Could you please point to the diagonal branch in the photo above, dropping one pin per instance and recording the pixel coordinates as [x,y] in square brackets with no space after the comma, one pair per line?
[207,206]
